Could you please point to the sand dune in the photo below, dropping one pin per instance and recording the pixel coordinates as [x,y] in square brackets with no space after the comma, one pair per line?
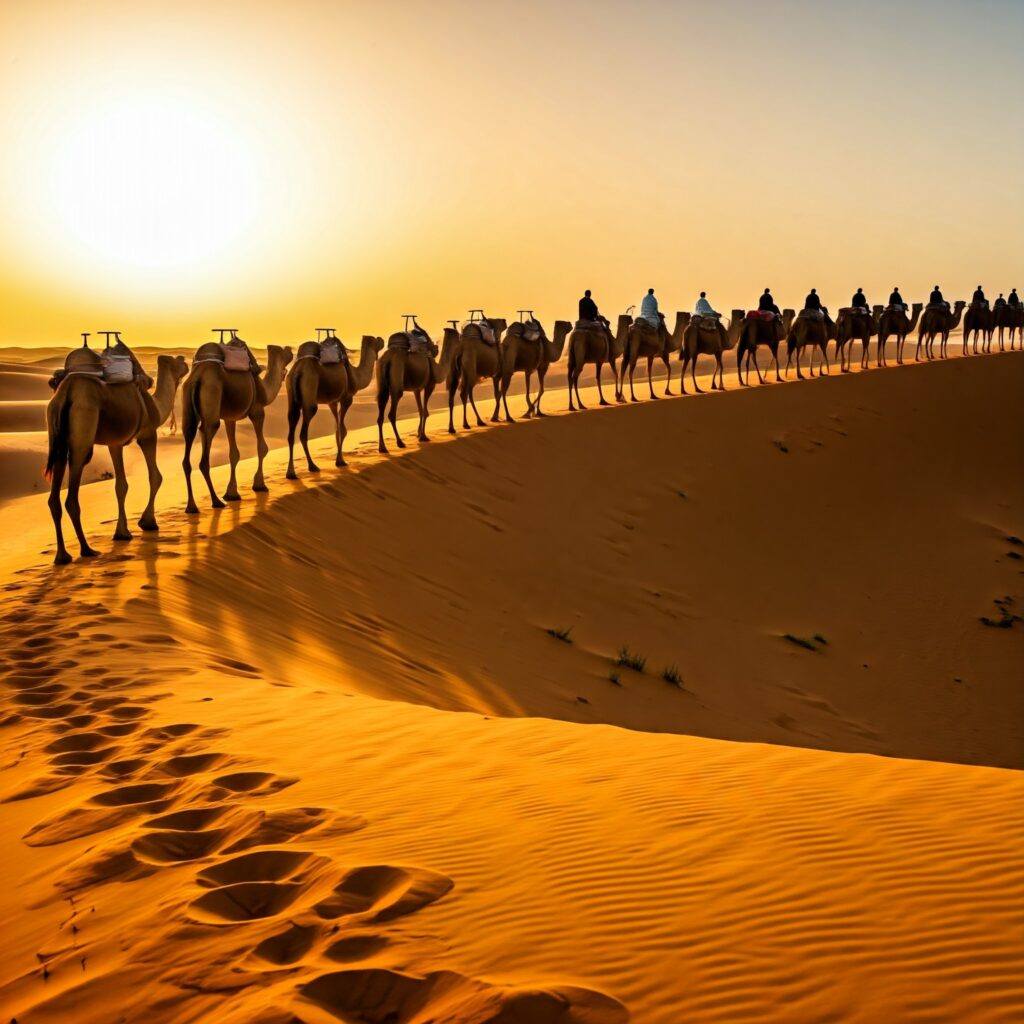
[282,762]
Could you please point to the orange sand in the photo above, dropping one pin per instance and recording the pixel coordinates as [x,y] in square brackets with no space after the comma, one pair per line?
[284,762]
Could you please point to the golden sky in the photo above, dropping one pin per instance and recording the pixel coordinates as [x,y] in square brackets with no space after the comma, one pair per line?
[278,166]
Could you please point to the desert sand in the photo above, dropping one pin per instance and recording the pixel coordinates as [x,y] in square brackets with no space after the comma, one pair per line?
[360,750]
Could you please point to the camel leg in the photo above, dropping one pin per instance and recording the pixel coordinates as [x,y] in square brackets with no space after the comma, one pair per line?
[865,359]
[147,444]
[189,426]
[257,418]
[231,494]
[576,384]
[340,411]
[427,391]
[382,401]
[293,422]
[775,360]
[62,557]
[600,392]
[76,467]
[650,375]
[668,375]
[453,385]
[393,419]
[632,370]
[476,412]
[121,531]
[540,392]
[720,370]
[496,416]
[209,432]
[880,354]
[682,373]
[505,381]
[308,412]
[760,379]
[693,376]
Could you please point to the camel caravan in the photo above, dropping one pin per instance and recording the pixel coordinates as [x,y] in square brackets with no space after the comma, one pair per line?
[104,397]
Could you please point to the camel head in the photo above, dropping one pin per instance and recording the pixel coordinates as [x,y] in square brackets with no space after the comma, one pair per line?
[177,365]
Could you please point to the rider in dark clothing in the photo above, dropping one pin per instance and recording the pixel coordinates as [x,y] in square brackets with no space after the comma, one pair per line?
[766,304]
[1014,299]
[979,296]
[896,299]
[859,300]
[588,307]
[1000,302]
[812,301]
[936,299]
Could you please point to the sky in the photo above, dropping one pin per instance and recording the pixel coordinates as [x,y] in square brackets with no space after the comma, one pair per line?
[279,166]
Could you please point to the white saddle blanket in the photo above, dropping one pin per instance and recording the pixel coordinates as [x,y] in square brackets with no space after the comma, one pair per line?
[532,331]
[117,369]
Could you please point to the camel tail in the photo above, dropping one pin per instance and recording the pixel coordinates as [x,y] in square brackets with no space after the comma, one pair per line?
[57,413]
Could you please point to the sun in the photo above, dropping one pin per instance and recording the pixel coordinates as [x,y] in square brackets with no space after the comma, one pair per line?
[152,183]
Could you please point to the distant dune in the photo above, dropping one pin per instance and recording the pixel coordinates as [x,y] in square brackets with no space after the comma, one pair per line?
[361,750]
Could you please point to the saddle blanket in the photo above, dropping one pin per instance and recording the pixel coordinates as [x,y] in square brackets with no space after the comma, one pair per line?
[938,305]
[117,369]
[236,358]
[589,325]
[895,308]
[705,323]
[531,331]
[486,331]
[760,314]
[854,311]
[421,343]
[812,314]
[332,352]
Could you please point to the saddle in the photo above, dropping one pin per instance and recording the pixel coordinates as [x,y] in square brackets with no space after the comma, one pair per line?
[811,314]
[761,314]
[854,311]
[117,367]
[944,306]
[332,352]
[415,341]
[487,335]
[980,305]
[532,331]
[895,308]
[705,323]
[236,357]
[589,325]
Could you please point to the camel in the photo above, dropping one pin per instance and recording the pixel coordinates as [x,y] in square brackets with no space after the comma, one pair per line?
[212,394]
[850,327]
[310,383]
[1009,318]
[521,354]
[475,359]
[978,319]
[401,369]
[707,336]
[754,331]
[937,321]
[643,340]
[809,332]
[594,344]
[894,321]
[86,411]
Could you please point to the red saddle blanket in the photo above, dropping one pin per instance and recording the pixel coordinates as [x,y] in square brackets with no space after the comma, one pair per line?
[760,314]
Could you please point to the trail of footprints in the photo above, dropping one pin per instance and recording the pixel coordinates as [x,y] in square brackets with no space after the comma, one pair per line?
[295,911]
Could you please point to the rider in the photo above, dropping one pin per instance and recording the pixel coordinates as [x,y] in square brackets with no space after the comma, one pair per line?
[704,308]
[896,299]
[589,311]
[1000,302]
[649,309]
[813,301]
[1014,300]
[978,299]
[859,300]
[936,299]
[766,304]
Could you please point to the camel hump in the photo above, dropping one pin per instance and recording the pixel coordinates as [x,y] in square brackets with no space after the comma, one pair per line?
[308,350]
[210,350]
[83,359]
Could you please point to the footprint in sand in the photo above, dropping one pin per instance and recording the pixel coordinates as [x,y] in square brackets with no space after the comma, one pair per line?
[381,996]
[252,783]
[380,892]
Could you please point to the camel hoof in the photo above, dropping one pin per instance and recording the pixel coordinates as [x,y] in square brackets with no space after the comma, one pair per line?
[62,558]
[192,510]
[381,450]
[217,503]
[313,468]
[291,475]
[539,413]
[149,525]
[262,488]
[88,552]
[423,439]
[604,402]
[122,535]
[401,444]
[233,497]
[452,430]
[339,462]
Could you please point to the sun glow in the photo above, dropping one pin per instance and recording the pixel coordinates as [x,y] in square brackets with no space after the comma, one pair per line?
[151,183]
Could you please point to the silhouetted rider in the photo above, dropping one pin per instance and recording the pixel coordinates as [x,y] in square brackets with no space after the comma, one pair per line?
[979,296]
[896,299]
[1014,299]
[813,301]
[936,299]
[766,304]
[859,300]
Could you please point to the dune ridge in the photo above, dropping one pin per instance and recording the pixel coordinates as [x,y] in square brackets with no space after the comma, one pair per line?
[318,802]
